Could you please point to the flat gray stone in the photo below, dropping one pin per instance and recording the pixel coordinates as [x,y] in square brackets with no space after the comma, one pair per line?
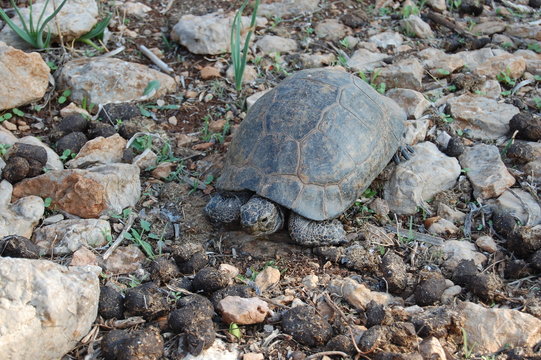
[108,80]
[482,117]
[417,180]
[486,171]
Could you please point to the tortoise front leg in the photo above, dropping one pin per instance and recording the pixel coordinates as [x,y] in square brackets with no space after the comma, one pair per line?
[225,207]
[316,233]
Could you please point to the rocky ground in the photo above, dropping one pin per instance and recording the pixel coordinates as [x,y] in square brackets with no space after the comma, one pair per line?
[108,157]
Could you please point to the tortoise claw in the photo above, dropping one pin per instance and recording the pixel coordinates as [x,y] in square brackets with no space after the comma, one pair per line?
[403,153]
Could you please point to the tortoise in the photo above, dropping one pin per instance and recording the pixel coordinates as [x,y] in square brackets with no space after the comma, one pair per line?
[312,145]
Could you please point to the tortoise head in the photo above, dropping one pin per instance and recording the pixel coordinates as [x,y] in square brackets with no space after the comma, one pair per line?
[260,216]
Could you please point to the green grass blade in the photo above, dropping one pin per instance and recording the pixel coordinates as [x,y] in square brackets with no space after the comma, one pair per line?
[97,30]
[20,32]
[50,17]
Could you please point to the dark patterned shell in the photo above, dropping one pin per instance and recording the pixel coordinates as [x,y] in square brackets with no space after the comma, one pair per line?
[314,143]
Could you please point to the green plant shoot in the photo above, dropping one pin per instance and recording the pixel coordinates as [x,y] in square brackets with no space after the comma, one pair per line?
[238,57]
[34,34]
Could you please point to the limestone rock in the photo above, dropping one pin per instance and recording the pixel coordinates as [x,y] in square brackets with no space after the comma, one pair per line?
[407,73]
[484,118]
[386,39]
[524,31]
[431,348]
[286,8]
[438,63]
[533,61]
[486,171]
[489,27]
[455,251]
[76,18]
[67,236]
[86,193]
[512,65]
[443,227]
[47,305]
[413,102]
[28,77]
[243,311]
[210,33]
[365,60]
[310,61]
[107,80]
[417,180]
[146,159]
[438,5]
[268,277]
[125,260]
[250,74]
[275,44]
[487,243]
[21,217]
[331,30]
[474,58]
[137,9]
[494,329]
[520,204]
[417,26]
[358,295]
[99,151]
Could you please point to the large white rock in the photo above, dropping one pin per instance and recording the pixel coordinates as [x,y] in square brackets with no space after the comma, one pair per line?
[386,39]
[284,8]
[417,180]
[45,308]
[359,295]
[365,60]
[438,63]
[67,236]
[88,193]
[210,33]
[76,18]
[486,171]
[482,117]
[417,26]
[492,329]
[26,77]
[476,57]
[21,217]
[520,204]
[456,250]
[413,102]
[107,80]
[271,44]
[407,74]
[99,151]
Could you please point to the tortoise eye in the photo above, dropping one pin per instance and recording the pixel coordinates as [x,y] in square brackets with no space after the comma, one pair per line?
[264,219]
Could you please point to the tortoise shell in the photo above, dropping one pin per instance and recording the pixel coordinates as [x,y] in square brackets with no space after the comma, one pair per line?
[314,143]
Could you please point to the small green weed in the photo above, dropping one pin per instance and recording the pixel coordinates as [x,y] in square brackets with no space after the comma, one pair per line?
[234,330]
[504,77]
[64,96]
[453,5]
[379,87]
[4,149]
[467,349]
[345,43]
[537,101]
[8,115]
[139,238]
[67,155]
[535,47]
